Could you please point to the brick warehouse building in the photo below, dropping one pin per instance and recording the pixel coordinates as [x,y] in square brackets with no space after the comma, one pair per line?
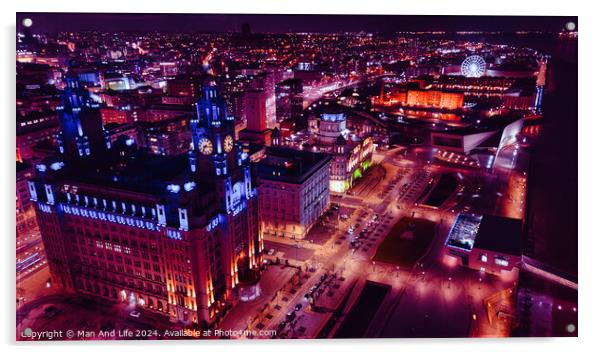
[174,234]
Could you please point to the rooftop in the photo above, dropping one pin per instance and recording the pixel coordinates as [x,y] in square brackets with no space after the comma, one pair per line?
[290,165]
[464,232]
[290,82]
[487,232]
[23,166]
[137,172]
[499,234]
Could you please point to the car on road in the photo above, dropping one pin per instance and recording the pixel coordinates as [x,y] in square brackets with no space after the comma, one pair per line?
[298,307]
[135,314]
[271,252]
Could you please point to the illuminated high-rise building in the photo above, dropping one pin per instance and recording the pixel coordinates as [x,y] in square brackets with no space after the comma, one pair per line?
[289,99]
[177,235]
[540,82]
[255,110]
[254,102]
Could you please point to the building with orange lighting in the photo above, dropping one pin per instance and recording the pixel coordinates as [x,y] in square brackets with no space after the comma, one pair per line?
[427,98]
[435,98]
[118,116]
[255,108]
[177,235]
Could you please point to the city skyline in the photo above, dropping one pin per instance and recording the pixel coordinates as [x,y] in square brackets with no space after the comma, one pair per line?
[323,183]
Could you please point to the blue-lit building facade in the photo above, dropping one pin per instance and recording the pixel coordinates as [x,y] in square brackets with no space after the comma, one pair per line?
[177,235]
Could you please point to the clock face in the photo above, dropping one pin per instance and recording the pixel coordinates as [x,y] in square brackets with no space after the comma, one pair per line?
[205,146]
[228,143]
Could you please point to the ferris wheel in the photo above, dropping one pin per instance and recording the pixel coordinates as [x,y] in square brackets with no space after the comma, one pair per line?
[473,66]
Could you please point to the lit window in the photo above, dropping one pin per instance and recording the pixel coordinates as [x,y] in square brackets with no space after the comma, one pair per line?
[501,261]
[484,258]
[99,244]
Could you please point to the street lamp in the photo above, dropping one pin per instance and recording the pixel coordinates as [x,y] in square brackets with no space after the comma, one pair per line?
[449,282]
[373,266]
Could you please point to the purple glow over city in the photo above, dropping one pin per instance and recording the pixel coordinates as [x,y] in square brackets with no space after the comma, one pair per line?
[201,176]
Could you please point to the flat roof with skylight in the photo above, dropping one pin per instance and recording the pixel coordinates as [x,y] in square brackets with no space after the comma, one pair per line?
[464,232]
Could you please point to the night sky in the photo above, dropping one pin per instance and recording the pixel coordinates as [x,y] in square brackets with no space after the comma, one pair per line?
[56,22]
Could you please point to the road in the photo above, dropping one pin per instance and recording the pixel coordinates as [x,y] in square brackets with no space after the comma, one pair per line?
[426,296]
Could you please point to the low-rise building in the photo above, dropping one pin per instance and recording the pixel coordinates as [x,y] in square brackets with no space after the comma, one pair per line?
[488,243]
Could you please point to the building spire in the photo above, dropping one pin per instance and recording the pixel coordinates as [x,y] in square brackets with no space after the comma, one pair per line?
[81,134]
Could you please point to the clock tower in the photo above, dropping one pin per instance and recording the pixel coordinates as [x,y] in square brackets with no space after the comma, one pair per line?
[220,166]
[212,151]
